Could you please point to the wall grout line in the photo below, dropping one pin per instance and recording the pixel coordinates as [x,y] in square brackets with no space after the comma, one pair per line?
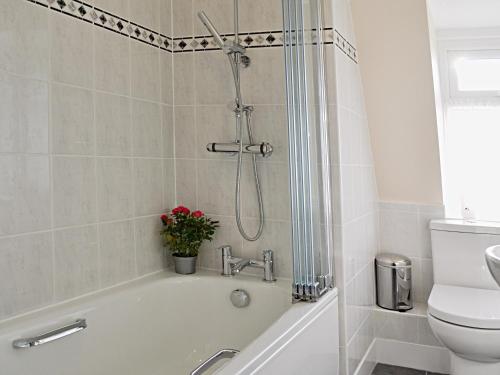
[132,150]
[50,157]
[96,176]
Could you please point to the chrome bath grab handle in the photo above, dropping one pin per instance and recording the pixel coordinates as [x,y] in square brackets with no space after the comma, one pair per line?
[221,354]
[56,334]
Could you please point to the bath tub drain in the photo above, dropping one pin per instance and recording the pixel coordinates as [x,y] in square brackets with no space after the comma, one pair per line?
[240,298]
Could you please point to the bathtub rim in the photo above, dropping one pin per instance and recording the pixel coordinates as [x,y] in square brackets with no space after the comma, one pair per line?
[275,337]
[72,304]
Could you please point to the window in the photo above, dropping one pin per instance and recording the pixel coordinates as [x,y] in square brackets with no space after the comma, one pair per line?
[473,162]
[471,134]
[474,73]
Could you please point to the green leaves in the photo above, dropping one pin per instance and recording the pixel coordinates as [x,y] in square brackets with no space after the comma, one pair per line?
[184,232]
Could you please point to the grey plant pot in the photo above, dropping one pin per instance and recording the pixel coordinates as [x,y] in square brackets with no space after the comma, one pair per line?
[185,265]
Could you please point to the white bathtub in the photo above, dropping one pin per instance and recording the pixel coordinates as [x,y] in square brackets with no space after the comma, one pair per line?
[168,324]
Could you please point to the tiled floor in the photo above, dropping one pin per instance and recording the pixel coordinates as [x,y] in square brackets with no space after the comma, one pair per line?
[381,369]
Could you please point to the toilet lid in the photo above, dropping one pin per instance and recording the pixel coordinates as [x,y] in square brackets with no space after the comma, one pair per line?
[469,307]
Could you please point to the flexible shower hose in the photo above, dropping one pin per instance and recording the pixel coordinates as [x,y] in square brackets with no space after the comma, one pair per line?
[240,110]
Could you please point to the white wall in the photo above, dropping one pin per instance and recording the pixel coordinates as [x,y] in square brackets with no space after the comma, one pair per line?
[404,229]
[356,220]
[395,61]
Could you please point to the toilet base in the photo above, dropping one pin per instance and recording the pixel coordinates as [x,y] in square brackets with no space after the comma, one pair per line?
[461,366]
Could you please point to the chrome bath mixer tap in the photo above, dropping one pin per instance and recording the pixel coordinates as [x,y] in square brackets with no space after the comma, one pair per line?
[232,265]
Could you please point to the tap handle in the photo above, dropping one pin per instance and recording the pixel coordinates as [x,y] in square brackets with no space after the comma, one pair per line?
[226,250]
[267,255]
[227,269]
[268,266]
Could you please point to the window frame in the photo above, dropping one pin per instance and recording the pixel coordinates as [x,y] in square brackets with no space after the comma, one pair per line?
[450,44]
[476,54]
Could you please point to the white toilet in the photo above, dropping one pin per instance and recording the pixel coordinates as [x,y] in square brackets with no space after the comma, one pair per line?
[464,305]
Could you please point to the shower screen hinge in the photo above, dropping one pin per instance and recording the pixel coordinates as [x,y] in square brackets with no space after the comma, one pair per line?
[312,292]
[306,292]
[325,282]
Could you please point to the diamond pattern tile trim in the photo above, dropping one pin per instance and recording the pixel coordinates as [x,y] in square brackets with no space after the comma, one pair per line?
[260,39]
[112,22]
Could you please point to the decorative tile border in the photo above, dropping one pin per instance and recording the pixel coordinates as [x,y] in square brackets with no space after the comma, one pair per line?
[346,47]
[261,39]
[264,39]
[108,21]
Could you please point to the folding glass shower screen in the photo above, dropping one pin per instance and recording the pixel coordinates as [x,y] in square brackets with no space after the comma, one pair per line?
[309,160]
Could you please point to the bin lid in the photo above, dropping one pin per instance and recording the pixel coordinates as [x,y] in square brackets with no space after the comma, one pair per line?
[392,260]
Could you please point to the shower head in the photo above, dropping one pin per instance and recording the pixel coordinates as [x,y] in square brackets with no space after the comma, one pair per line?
[211,28]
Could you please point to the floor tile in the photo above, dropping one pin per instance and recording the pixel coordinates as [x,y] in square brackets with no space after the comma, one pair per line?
[382,369]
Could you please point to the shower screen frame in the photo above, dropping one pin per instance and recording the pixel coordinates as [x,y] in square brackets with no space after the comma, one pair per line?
[309,152]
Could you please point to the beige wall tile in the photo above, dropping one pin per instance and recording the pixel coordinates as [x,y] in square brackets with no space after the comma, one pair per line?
[148,186]
[185,132]
[76,262]
[183,80]
[72,111]
[71,50]
[24,117]
[146,129]
[74,191]
[25,192]
[117,253]
[112,63]
[115,194]
[113,125]
[25,39]
[186,189]
[25,273]
[145,71]
[146,12]
[151,256]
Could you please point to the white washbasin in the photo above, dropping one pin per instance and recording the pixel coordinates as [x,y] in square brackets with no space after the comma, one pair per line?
[493,260]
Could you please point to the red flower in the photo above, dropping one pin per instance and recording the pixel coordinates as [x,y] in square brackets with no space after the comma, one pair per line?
[180,210]
[197,214]
[164,218]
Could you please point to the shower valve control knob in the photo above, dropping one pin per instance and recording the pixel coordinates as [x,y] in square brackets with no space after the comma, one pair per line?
[264,149]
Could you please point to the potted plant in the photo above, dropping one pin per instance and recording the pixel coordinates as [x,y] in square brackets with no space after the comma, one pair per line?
[184,232]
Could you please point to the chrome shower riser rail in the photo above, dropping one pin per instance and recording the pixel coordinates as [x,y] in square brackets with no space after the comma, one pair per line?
[237,59]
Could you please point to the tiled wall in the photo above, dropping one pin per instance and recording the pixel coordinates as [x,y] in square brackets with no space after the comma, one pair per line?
[366,227]
[86,149]
[411,327]
[356,230]
[404,229]
[204,99]
[91,151]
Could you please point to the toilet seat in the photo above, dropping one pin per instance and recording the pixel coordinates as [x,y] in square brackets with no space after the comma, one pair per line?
[467,307]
